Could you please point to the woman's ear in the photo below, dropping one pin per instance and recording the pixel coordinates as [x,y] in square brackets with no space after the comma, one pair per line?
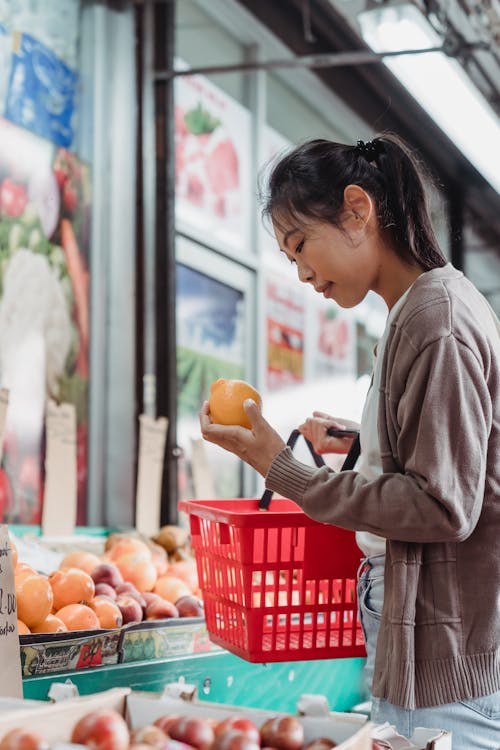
[358,206]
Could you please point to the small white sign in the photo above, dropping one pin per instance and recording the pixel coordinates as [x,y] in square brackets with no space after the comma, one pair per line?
[60,492]
[11,683]
[152,437]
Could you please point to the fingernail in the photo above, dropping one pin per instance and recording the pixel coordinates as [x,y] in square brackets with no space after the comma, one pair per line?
[248,402]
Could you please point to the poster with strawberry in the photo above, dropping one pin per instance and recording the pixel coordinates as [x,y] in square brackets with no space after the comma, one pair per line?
[45,206]
[212,147]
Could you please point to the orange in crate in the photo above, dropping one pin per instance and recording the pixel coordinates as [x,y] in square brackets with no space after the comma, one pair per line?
[277,585]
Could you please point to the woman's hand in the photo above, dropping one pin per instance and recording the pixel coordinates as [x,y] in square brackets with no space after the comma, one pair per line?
[257,447]
[314,429]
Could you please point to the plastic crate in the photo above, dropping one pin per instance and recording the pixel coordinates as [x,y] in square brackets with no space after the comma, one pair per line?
[277,585]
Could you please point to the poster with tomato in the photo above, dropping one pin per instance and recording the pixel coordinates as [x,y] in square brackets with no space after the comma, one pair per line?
[335,335]
[45,206]
[212,147]
[285,334]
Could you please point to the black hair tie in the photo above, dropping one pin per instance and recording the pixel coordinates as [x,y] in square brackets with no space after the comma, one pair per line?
[370,150]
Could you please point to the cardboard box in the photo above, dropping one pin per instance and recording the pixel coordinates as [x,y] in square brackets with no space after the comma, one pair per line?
[352,731]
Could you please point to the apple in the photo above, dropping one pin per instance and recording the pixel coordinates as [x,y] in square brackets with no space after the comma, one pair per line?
[164,722]
[283,733]
[107,573]
[150,735]
[129,589]
[234,739]
[161,610]
[241,723]
[190,606]
[104,589]
[321,743]
[130,608]
[23,739]
[103,729]
[193,731]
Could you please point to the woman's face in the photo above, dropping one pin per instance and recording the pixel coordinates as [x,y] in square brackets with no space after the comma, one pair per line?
[342,264]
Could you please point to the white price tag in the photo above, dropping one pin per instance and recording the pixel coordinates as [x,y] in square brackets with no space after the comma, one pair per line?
[152,437]
[60,492]
[11,683]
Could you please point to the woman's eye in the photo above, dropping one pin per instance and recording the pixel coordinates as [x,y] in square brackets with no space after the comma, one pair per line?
[299,247]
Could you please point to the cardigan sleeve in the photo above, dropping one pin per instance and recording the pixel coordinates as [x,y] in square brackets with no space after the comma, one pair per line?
[444,419]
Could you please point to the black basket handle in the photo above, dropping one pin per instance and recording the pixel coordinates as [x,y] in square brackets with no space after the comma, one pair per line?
[348,464]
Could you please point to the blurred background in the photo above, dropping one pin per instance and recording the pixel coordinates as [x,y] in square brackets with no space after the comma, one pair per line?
[134,266]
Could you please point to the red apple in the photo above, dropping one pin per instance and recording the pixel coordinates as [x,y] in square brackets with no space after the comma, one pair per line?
[193,731]
[104,729]
[241,723]
[107,573]
[161,610]
[23,739]
[150,735]
[129,589]
[190,606]
[104,589]
[164,722]
[234,739]
[283,733]
[321,743]
[130,608]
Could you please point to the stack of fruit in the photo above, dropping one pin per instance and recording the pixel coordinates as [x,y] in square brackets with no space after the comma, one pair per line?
[104,729]
[134,580]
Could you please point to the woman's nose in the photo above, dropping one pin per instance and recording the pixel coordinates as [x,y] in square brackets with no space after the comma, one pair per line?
[304,273]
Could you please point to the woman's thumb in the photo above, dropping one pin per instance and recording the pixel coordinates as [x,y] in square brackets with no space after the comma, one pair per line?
[252,410]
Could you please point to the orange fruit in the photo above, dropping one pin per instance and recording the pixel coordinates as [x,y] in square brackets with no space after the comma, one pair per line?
[34,598]
[13,551]
[71,586]
[226,401]
[171,588]
[107,611]
[51,624]
[22,628]
[78,617]
[137,570]
[129,545]
[23,569]
[80,559]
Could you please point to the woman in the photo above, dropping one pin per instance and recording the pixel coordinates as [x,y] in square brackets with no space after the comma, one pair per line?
[354,219]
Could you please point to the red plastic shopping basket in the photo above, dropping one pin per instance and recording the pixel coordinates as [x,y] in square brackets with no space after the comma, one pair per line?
[277,585]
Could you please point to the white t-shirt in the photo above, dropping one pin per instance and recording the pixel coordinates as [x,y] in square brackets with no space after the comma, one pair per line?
[369,463]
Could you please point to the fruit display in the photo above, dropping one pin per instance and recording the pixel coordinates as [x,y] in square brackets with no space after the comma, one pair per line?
[226,401]
[106,729]
[134,580]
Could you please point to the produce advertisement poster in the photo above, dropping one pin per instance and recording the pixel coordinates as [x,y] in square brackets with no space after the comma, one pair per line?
[210,345]
[212,147]
[335,341]
[41,92]
[285,334]
[45,207]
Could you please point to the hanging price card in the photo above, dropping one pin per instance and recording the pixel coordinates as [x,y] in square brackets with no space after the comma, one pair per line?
[60,492]
[11,684]
[152,436]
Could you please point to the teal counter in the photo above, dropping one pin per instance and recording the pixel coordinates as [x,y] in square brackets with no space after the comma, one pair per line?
[222,677]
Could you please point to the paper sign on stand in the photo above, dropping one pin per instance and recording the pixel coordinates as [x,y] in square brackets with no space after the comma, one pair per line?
[152,437]
[11,683]
[60,492]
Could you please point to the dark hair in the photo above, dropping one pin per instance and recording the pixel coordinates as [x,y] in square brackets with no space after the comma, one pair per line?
[309,183]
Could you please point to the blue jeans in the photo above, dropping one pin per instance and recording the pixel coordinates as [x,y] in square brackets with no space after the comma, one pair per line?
[474,723]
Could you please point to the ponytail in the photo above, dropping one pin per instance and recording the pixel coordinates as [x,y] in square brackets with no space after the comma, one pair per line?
[309,182]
